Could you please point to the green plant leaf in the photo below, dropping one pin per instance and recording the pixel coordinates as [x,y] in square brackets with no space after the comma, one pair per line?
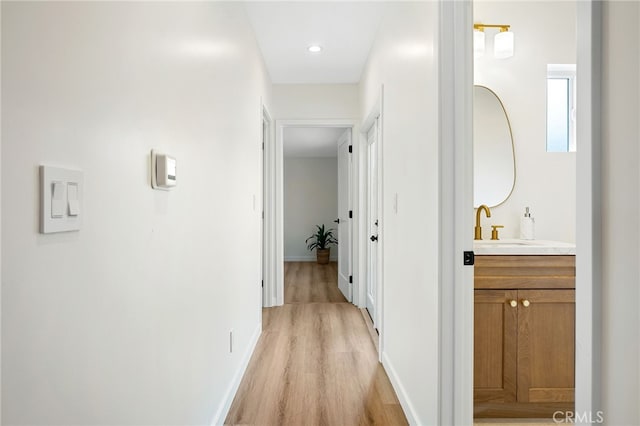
[321,239]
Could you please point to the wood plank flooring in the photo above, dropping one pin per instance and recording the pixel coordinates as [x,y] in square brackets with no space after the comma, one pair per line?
[308,282]
[315,363]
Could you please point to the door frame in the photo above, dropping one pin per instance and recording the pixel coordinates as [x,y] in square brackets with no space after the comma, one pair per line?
[376,113]
[275,209]
[456,209]
[349,278]
[455,52]
[268,241]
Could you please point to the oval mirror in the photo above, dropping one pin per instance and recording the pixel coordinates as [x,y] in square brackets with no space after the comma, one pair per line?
[494,165]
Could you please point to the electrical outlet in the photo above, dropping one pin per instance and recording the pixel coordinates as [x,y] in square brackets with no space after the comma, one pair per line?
[231,341]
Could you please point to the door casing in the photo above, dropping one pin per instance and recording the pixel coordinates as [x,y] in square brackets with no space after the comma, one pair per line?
[375,116]
[345,225]
[371,216]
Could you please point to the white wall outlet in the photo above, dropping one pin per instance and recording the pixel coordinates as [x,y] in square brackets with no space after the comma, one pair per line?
[60,199]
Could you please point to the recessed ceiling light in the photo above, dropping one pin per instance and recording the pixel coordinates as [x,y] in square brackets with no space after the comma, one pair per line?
[314,48]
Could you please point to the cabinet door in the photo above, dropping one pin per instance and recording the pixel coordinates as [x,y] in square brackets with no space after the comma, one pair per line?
[546,336]
[494,336]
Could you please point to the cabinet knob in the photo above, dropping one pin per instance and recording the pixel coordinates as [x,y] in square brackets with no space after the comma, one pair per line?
[513,303]
[525,303]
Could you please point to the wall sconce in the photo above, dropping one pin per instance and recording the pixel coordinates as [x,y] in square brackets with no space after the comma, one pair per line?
[502,43]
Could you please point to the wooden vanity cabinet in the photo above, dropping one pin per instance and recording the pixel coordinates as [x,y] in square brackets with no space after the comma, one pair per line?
[524,335]
[495,336]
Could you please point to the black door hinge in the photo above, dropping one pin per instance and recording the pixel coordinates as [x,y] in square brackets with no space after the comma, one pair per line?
[350,149]
[350,279]
[469,258]
[262,283]
[350,214]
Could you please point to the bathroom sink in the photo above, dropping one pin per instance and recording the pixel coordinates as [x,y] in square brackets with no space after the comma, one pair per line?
[491,243]
[525,247]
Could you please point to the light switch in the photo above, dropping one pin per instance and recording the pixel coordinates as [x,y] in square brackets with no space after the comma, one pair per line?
[57,199]
[72,199]
[60,199]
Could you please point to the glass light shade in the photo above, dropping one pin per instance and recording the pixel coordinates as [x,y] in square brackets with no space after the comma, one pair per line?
[503,45]
[478,43]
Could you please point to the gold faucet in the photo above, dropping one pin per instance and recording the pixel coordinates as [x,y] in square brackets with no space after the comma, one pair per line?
[478,229]
[494,231]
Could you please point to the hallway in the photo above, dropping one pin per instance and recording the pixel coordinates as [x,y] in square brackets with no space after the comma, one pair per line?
[315,363]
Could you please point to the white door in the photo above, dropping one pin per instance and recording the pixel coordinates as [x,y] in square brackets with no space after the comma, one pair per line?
[343,222]
[372,221]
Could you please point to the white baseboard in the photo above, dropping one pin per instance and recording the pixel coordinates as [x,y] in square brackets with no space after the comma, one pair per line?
[311,258]
[225,405]
[405,402]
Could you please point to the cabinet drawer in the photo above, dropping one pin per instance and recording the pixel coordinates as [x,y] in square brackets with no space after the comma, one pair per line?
[524,272]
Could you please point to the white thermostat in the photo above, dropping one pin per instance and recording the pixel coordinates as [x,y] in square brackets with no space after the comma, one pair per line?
[163,171]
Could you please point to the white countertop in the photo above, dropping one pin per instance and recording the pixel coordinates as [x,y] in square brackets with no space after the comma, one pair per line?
[523,247]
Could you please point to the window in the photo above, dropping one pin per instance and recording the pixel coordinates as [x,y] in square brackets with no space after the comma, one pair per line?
[561,111]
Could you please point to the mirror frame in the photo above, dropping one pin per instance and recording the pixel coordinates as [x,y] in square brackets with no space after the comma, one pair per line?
[513,149]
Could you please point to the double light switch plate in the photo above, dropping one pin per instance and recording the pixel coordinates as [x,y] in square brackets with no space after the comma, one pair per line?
[60,199]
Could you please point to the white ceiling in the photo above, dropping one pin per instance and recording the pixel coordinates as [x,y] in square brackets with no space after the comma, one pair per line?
[345,30]
[311,141]
[285,29]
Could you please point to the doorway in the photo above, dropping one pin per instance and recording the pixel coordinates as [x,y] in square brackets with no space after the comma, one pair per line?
[275,168]
[311,223]
[524,322]
[372,232]
[456,301]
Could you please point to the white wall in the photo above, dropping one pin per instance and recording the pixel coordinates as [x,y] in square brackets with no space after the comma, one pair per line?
[545,181]
[621,214]
[403,60]
[127,321]
[310,199]
[315,101]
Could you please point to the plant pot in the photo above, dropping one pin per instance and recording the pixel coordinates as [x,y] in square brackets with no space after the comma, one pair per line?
[322,256]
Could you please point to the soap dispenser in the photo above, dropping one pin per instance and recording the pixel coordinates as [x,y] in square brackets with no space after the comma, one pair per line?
[527,226]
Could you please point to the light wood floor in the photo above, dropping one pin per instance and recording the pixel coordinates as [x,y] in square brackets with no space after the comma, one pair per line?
[308,282]
[315,363]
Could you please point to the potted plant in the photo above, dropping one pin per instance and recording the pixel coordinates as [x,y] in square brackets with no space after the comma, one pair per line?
[320,242]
